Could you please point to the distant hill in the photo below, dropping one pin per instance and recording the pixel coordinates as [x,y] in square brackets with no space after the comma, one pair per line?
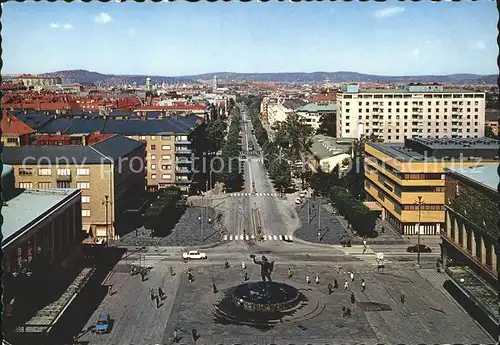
[83,76]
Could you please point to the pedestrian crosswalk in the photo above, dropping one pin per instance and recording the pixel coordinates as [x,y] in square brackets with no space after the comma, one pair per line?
[253,194]
[359,251]
[232,237]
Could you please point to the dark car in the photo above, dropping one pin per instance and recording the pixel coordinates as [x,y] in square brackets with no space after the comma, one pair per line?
[415,249]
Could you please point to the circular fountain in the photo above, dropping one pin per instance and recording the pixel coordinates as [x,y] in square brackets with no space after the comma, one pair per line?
[265,297]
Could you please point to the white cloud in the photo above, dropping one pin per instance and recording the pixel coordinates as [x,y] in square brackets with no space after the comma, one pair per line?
[68,26]
[388,12]
[415,52]
[103,18]
[480,45]
[54,25]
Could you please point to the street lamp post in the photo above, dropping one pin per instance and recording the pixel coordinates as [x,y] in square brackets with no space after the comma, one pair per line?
[418,230]
[106,203]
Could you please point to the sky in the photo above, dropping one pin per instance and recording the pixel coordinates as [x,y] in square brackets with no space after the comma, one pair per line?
[182,38]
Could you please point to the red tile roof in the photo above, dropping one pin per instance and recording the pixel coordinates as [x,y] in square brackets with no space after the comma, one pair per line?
[186,107]
[11,125]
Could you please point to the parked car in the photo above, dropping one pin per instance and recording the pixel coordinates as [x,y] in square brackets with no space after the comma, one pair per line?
[302,194]
[103,324]
[298,201]
[194,255]
[415,249]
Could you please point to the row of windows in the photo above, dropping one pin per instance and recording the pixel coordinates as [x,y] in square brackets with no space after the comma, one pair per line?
[164,176]
[380,96]
[163,157]
[423,207]
[163,147]
[166,137]
[48,172]
[59,184]
[380,117]
[405,110]
[405,130]
[397,206]
[163,167]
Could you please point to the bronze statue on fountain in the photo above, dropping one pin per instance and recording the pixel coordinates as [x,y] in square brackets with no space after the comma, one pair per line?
[266,267]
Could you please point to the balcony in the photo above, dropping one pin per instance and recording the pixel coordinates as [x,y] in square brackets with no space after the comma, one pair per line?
[183,161]
[179,150]
[63,178]
[182,142]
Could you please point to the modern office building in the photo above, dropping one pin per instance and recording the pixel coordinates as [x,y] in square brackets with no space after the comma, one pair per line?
[397,174]
[110,175]
[472,218]
[415,111]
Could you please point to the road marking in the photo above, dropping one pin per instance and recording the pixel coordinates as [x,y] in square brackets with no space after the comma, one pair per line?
[253,194]
[231,237]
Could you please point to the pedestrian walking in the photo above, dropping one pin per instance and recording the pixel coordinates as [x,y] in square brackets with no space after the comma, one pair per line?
[348,312]
[330,288]
[289,273]
[317,280]
[352,276]
[308,280]
[214,288]
[194,333]
[382,230]
[335,284]
[246,276]
[161,293]
[152,293]
[346,285]
[364,246]
[343,310]
[363,285]
[243,266]
[158,302]
[402,297]
[353,298]
[176,335]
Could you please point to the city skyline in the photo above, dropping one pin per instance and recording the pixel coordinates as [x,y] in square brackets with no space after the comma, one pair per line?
[154,39]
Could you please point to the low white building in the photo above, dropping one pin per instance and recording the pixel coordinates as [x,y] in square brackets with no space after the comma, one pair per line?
[311,113]
[329,152]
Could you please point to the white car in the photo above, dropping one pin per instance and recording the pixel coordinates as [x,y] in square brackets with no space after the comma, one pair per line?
[302,194]
[194,254]
[298,201]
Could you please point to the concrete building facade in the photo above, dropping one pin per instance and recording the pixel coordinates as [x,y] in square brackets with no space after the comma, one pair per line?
[109,174]
[396,175]
[416,111]
[472,219]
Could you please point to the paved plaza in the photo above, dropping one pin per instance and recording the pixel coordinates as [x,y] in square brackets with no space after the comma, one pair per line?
[378,314]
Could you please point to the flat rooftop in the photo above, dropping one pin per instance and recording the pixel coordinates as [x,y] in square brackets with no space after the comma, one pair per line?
[485,175]
[325,146]
[26,205]
[429,149]
[455,90]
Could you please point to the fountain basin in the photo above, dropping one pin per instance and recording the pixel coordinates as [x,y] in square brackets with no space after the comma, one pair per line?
[271,297]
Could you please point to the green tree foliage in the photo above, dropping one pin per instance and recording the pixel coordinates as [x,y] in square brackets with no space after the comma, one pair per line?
[488,132]
[280,173]
[162,208]
[357,214]
[328,125]
[231,175]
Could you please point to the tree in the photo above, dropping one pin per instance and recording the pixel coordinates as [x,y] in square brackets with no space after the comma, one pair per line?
[162,208]
[328,125]
[488,132]
[280,173]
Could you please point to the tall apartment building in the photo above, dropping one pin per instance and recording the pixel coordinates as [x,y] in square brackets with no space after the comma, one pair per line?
[167,142]
[110,174]
[416,111]
[397,174]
